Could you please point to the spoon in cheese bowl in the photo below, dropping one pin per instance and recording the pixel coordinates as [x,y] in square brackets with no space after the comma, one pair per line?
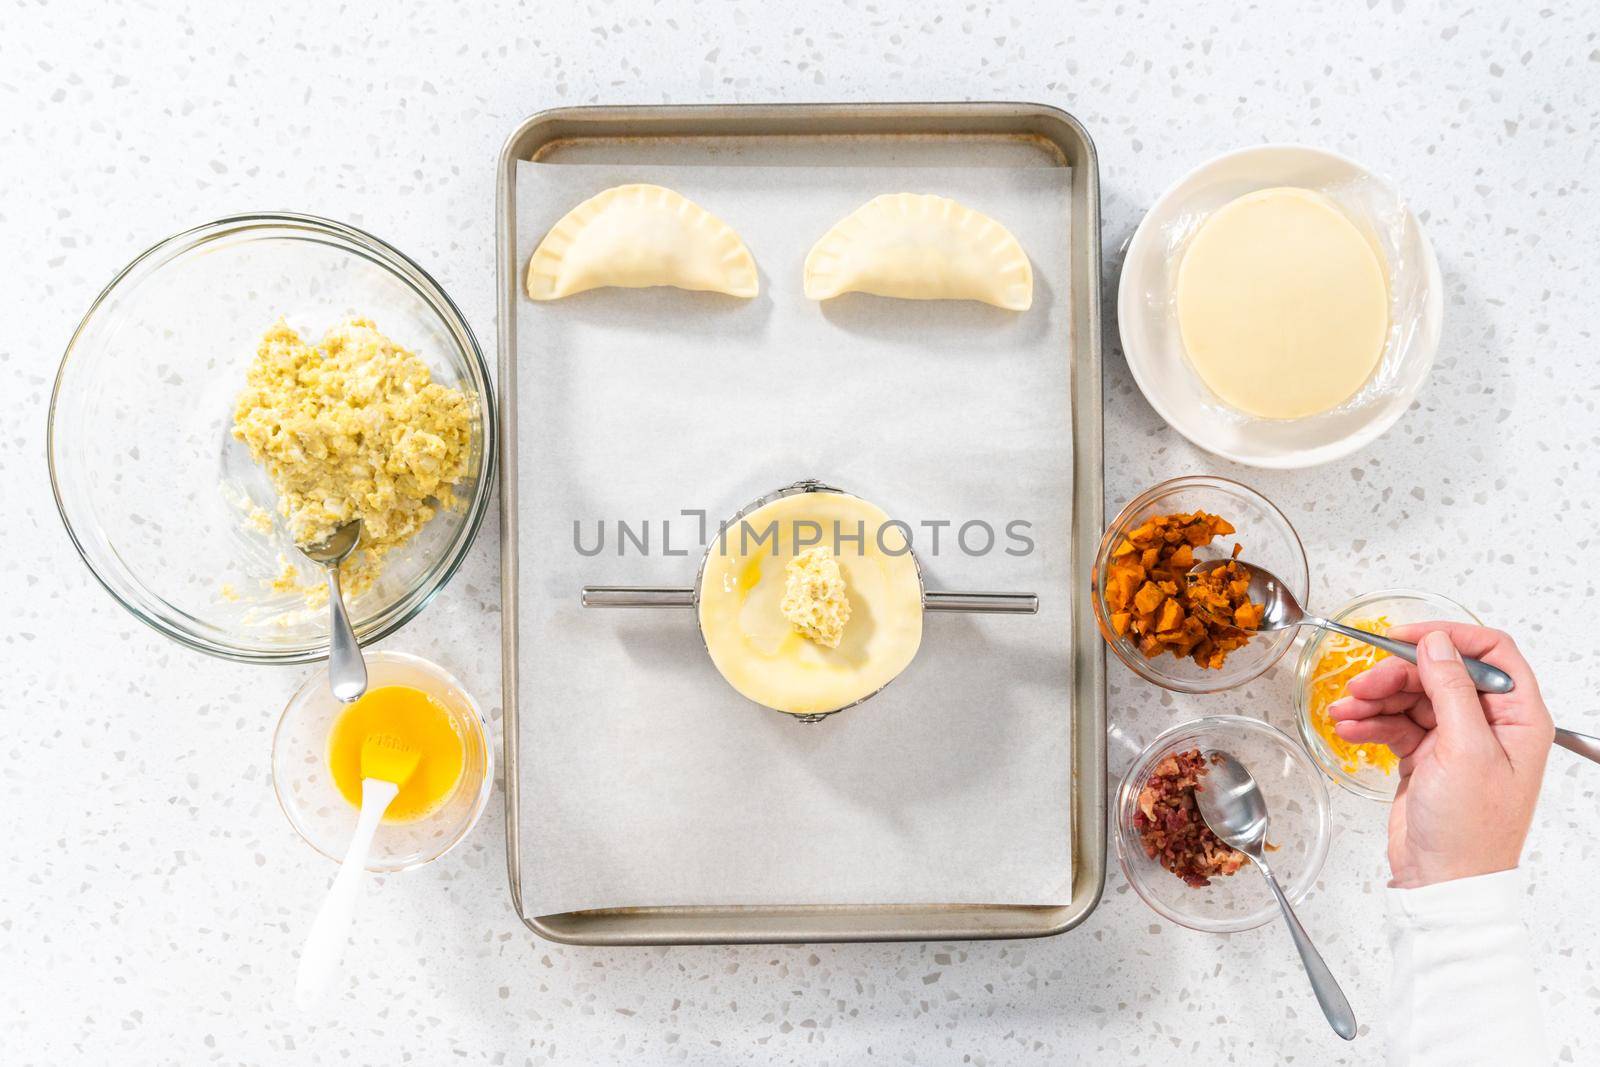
[387,763]
[1281,611]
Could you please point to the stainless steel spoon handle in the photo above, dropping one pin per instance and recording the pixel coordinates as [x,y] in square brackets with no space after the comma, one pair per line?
[1329,996]
[636,596]
[347,671]
[1487,678]
[1584,745]
[649,596]
[982,603]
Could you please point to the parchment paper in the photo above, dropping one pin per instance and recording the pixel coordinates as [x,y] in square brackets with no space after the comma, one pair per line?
[645,779]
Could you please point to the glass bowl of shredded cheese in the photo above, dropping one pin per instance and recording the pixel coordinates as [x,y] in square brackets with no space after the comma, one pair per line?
[1327,663]
[246,386]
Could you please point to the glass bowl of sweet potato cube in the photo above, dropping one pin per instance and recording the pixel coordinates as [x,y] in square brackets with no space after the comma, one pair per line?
[1194,633]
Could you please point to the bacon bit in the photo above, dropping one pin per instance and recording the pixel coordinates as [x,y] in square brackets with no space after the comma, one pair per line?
[1171,828]
[1154,603]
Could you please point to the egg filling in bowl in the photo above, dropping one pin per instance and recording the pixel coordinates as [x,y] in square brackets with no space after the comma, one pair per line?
[353,427]
[811,602]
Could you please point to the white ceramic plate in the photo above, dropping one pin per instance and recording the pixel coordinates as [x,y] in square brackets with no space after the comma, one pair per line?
[1154,349]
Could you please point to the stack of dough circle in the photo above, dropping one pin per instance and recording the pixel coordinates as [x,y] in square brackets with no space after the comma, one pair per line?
[1283,304]
[756,648]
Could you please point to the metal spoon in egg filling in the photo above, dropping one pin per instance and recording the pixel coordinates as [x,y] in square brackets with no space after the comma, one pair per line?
[347,671]
[636,596]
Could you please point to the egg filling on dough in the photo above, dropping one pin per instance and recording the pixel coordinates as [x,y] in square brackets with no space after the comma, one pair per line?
[353,426]
[814,599]
[811,602]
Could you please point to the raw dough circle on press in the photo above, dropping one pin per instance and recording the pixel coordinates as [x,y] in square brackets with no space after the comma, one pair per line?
[756,648]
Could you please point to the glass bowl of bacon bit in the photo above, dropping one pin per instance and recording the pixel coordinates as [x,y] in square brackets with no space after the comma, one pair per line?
[1174,862]
[1188,635]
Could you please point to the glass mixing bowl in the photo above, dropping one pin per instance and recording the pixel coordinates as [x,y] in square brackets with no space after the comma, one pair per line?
[319,812]
[1269,541]
[155,492]
[1399,606]
[1297,804]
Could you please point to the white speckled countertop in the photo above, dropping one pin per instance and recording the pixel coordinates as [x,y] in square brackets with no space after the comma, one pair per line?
[154,900]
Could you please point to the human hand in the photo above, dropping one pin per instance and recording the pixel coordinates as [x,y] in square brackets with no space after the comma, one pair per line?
[1470,763]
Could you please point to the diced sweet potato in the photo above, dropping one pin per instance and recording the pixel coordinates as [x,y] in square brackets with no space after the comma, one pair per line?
[1154,603]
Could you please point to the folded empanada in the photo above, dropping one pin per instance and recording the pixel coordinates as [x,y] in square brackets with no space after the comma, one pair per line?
[920,247]
[634,236]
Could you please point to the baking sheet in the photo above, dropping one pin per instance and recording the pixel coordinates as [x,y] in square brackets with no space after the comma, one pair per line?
[644,779]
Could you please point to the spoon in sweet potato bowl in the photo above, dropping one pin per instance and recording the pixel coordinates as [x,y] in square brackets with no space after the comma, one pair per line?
[1281,611]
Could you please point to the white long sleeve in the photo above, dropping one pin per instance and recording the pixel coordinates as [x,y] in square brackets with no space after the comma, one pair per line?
[1463,989]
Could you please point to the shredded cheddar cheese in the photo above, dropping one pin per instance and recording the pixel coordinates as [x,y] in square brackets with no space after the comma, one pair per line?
[1341,660]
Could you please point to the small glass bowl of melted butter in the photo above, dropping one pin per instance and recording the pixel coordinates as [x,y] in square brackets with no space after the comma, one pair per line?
[316,761]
